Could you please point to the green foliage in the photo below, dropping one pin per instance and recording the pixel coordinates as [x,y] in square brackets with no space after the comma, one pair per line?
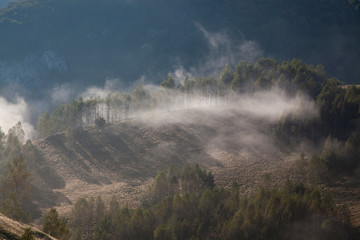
[191,179]
[28,235]
[162,232]
[317,170]
[114,226]
[100,122]
[226,75]
[2,142]
[217,213]
[224,214]
[15,160]
[43,124]
[114,206]
[7,235]
[85,215]
[15,190]
[342,157]
[18,132]
[55,225]
[169,83]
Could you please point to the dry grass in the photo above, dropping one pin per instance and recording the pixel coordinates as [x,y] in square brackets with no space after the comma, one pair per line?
[122,159]
[17,229]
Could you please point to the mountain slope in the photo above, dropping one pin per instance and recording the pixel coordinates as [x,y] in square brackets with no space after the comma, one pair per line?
[118,158]
[122,159]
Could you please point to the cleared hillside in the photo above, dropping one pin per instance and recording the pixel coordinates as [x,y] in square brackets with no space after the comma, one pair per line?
[122,159]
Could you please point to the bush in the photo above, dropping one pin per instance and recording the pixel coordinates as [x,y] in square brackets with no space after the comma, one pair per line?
[100,122]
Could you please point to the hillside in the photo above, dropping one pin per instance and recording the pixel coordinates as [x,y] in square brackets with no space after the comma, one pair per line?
[122,159]
[10,229]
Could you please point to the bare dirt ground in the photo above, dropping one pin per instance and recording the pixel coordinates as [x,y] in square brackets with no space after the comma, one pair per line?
[121,160]
[344,191]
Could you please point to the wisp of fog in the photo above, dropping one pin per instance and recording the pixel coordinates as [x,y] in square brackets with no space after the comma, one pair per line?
[13,112]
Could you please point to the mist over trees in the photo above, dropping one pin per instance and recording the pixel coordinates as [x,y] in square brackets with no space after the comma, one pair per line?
[215,212]
[48,45]
[337,105]
[294,77]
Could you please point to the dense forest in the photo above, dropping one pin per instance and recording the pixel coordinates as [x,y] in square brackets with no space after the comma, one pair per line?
[202,210]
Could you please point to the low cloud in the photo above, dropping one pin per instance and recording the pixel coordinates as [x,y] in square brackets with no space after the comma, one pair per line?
[216,40]
[222,50]
[62,94]
[269,105]
[13,112]
[65,93]
[110,85]
[240,121]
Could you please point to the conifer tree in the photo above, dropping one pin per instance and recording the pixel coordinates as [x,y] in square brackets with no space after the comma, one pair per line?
[55,225]
[16,189]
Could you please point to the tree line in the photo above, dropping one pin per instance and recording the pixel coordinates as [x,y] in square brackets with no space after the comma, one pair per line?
[293,76]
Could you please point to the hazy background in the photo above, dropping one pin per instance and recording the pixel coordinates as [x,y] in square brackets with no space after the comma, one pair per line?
[52,51]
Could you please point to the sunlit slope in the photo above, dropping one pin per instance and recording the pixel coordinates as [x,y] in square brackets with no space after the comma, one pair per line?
[10,229]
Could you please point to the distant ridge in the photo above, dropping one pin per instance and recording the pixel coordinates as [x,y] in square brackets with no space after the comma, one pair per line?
[91,41]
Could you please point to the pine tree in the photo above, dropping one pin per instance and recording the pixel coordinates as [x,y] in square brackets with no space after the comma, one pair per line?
[16,189]
[55,225]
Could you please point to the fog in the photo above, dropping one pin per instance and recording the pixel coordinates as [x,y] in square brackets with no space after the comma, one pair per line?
[222,50]
[18,78]
[13,112]
[238,121]
[268,106]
